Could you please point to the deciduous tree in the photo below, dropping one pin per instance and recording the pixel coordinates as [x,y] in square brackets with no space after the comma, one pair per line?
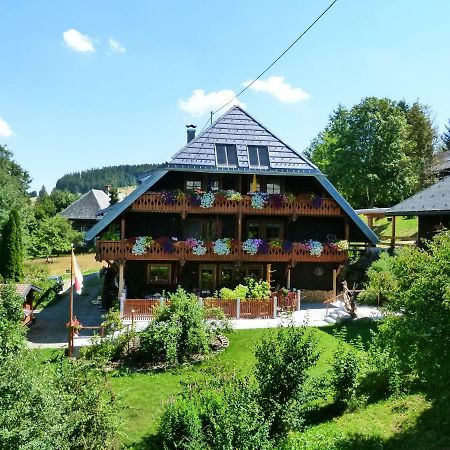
[11,249]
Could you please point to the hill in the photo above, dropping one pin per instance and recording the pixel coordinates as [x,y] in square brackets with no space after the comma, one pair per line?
[116,176]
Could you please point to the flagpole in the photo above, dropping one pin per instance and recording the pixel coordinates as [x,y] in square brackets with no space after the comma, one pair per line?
[70,346]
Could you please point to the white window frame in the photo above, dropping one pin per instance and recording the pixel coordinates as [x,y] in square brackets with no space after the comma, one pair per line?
[257,152]
[226,155]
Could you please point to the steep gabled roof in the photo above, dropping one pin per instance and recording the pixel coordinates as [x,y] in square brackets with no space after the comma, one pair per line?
[87,206]
[238,127]
[118,208]
[433,200]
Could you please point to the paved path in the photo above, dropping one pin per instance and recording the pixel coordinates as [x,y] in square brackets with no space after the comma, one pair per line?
[49,329]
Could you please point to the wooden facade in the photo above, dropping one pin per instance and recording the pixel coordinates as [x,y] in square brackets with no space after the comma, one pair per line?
[233,162]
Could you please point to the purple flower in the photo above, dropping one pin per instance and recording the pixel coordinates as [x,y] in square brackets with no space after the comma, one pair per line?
[263,247]
[277,200]
[287,246]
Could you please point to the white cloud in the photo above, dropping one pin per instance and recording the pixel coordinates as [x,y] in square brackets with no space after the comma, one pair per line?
[5,129]
[280,89]
[200,103]
[77,41]
[115,46]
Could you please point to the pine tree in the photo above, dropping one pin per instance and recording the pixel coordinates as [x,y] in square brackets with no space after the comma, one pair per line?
[42,193]
[11,249]
[113,196]
[446,137]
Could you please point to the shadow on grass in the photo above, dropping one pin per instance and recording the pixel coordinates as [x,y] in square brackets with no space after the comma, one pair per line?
[358,329]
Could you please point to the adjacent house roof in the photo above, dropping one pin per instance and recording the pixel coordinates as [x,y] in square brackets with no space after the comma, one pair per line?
[433,200]
[87,206]
[24,289]
[238,127]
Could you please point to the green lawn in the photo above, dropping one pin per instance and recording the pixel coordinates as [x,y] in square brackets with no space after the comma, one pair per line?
[143,395]
[405,228]
[411,422]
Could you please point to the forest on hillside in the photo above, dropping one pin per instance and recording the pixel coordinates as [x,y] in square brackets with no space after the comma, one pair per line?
[116,176]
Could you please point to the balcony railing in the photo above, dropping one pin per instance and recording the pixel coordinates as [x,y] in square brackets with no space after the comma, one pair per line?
[301,205]
[115,250]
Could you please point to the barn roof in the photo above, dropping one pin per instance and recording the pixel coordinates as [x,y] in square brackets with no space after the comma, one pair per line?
[87,206]
[433,200]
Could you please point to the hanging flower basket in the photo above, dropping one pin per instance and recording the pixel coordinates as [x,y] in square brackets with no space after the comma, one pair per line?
[259,199]
[197,246]
[141,245]
[251,246]
[222,246]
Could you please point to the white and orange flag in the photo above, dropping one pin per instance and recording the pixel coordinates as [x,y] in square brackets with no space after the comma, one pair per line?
[77,275]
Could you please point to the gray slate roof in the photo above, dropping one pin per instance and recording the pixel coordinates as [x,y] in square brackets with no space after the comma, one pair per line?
[87,206]
[433,200]
[238,127]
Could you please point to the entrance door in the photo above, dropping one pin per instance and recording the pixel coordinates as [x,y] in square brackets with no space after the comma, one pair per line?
[207,278]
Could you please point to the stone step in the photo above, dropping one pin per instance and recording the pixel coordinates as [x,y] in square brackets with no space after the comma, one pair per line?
[329,319]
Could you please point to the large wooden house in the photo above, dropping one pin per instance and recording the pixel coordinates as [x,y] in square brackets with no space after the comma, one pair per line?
[236,201]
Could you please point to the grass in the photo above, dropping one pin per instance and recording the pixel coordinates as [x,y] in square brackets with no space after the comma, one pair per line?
[405,228]
[410,422]
[61,264]
[142,395]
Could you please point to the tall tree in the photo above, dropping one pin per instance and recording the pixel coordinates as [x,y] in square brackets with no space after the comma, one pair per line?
[445,137]
[365,153]
[423,138]
[42,193]
[113,196]
[11,249]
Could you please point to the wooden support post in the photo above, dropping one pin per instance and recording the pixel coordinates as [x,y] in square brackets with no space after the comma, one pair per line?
[288,283]
[347,230]
[393,232]
[334,284]
[370,221]
[275,307]
[269,273]
[121,278]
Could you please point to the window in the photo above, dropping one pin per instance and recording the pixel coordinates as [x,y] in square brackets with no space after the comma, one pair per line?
[206,229]
[273,186]
[207,278]
[83,228]
[273,230]
[258,156]
[255,272]
[226,276]
[192,185]
[213,185]
[226,155]
[254,230]
[159,273]
[261,229]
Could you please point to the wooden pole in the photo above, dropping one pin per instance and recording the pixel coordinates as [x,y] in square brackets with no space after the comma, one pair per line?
[288,284]
[393,232]
[70,338]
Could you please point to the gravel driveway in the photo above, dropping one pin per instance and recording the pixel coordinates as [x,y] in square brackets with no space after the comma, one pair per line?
[49,329]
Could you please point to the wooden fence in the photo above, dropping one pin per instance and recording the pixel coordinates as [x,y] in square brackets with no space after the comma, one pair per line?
[144,309]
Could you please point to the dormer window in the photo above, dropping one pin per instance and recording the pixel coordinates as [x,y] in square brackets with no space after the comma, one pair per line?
[258,156]
[226,155]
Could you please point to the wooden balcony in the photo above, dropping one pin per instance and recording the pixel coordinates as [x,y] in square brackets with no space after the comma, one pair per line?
[116,250]
[301,205]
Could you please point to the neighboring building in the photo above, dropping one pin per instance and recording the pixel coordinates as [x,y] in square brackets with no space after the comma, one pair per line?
[236,154]
[83,212]
[28,293]
[432,206]
[441,164]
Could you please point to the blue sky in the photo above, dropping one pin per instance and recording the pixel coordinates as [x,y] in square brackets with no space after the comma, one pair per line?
[91,83]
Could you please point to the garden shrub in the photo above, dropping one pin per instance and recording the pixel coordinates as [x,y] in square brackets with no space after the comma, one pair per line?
[178,332]
[281,370]
[217,414]
[420,334]
[240,291]
[258,289]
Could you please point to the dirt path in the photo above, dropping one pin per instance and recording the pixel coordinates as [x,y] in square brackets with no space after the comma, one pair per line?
[49,329]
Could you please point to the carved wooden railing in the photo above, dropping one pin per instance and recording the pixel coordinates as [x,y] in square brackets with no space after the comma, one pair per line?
[301,205]
[115,250]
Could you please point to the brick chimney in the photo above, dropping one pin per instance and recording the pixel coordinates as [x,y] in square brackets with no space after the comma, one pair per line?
[190,132]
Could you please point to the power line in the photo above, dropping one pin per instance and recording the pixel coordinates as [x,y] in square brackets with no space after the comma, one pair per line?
[276,60]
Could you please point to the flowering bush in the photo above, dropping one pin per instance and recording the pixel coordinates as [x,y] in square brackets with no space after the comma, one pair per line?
[171,197]
[276,243]
[342,245]
[259,199]
[233,195]
[141,245]
[196,245]
[251,246]
[277,200]
[316,200]
[316,248]
[222,246]
[290,197]
[167,243]
[207,200]
[287,246]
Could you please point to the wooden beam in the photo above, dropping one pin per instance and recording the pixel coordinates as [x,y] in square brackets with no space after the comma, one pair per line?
[370,221]
[347,230]
[121,278]
[288,283]
[393,232]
